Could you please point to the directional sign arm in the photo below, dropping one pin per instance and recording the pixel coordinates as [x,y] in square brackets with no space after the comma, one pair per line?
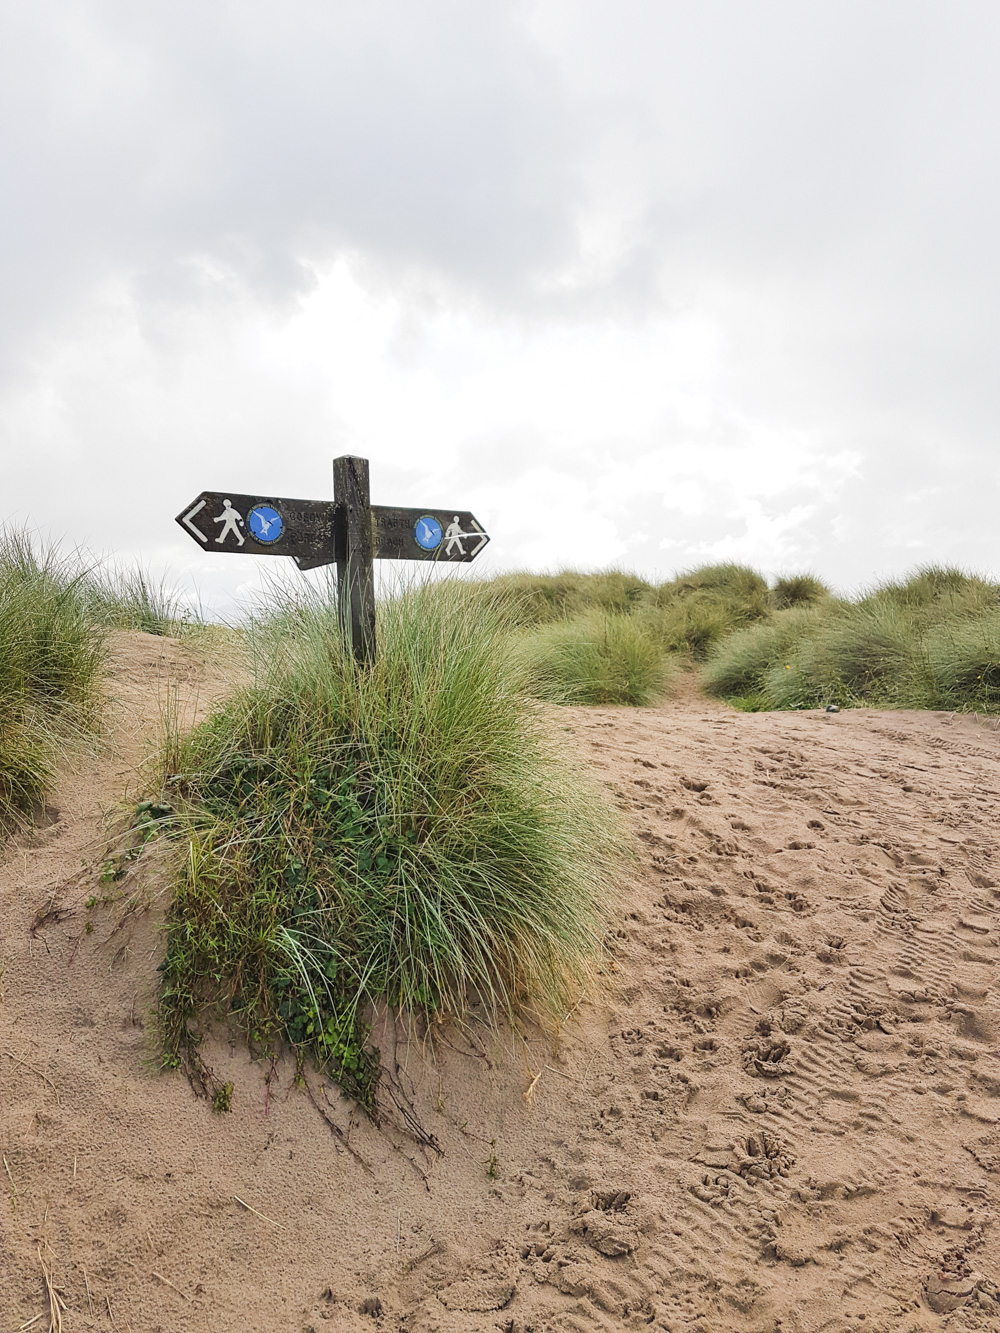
[220,521]
[462,537]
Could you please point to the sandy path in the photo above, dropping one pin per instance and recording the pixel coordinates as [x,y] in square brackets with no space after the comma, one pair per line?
[785,1119]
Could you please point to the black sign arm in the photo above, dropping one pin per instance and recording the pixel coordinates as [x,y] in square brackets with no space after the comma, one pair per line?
[426,534]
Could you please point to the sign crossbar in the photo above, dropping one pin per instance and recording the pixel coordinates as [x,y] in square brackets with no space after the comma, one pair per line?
[349,532]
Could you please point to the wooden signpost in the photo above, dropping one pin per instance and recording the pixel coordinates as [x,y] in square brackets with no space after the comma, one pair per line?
[350,532]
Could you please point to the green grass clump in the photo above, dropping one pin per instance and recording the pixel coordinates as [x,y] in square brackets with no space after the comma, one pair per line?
[964,663]
[597,659]
[410,834]
[55,613]
[696,610]
[860,655]
[739,665]
[539,599]
[927,641]
[797,590]
[50,660]
[936,594]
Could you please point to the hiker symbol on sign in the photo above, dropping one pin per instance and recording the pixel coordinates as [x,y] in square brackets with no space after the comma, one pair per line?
[229,519]
[454,534]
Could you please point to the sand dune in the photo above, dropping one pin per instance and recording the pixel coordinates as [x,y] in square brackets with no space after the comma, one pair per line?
[783,1116]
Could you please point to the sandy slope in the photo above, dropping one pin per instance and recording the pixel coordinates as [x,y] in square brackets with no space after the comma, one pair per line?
[786,1118]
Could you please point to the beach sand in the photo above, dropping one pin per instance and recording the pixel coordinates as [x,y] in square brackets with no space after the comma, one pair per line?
[782,1115]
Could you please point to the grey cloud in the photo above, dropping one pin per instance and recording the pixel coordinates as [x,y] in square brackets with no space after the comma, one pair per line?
[426,137]
[819,179]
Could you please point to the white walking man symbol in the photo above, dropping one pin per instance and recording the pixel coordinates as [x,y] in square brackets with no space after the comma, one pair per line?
[231,523]
[455,534]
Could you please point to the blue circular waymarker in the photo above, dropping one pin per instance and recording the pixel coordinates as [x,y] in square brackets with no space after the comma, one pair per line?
[427,533]
[265,524]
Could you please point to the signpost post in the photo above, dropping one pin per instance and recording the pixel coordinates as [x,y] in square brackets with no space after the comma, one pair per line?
[350,532]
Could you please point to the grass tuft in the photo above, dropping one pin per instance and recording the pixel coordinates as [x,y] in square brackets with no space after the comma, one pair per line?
[740,663]
[696,610]
[798,590]
[122,598]
[597,659]
[410,834]
[540,599]
[964,664]
[929,641]
[50,661]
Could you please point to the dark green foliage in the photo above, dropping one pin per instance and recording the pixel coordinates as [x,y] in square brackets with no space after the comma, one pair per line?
[797,590]
[407,834]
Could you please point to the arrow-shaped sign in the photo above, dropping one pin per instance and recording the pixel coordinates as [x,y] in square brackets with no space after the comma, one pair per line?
[350,531]
[186,520]
[305,529]
[261,525]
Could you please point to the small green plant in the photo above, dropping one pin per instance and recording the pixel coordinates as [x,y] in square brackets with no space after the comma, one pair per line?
[222,1098]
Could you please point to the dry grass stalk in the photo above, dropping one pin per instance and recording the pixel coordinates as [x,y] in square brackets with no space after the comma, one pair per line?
[530,1090]
[167,1283]
[256,1214]
[56,1303]
[13,1187]
[24,1065]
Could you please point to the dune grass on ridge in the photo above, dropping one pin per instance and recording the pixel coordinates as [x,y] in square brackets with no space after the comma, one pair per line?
[51,655]
[56,609]
[929,641]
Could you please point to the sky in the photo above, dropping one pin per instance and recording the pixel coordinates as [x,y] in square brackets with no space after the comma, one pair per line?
[641,283]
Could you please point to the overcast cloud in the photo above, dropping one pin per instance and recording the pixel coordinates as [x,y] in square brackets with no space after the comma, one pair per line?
[642,282]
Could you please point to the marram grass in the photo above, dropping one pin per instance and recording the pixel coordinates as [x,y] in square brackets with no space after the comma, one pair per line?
[597,659]
[56,609]
[51,657]
[929,641]
[412,833]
